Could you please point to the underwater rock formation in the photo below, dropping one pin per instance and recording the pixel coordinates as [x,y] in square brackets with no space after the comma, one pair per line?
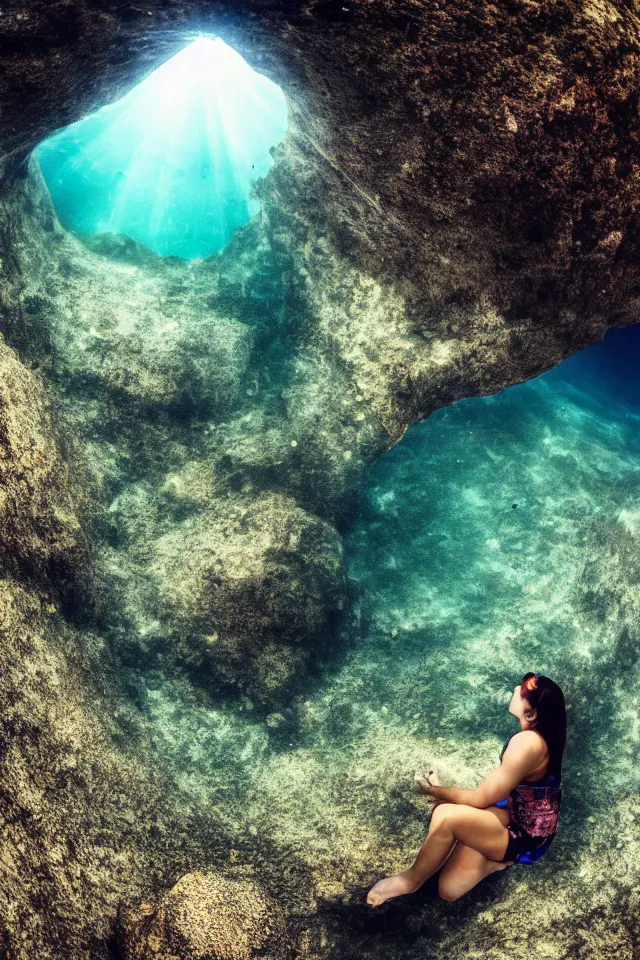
[42,538]
[254,591]
[186,427]
[206,917]
[77,800]
[478,158]
[454,209]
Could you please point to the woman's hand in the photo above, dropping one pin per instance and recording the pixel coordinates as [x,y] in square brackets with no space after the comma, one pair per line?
[426,781]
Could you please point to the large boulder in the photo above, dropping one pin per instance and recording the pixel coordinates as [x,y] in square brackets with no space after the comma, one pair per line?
[206,916]
[254,590]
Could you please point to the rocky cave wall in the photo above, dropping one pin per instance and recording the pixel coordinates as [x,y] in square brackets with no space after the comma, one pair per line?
[479,157]
[453,210]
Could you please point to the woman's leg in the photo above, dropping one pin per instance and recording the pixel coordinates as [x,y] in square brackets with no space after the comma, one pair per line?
[482,830]
[464,869]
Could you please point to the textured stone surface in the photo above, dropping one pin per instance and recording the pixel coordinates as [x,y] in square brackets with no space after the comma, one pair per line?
[77,800]
[252,589]
[42,537]
[480,157]
[206,917]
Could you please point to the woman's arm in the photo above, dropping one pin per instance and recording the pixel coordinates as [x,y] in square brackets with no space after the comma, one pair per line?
[521,756]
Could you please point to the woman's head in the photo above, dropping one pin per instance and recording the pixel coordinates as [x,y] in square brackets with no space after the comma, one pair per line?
[538,703]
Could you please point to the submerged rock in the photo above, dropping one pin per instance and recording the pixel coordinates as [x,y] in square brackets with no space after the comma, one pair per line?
[255,589]
[42,505]
[206,916]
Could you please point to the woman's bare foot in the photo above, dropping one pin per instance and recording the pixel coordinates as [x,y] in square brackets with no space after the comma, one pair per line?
[388,888]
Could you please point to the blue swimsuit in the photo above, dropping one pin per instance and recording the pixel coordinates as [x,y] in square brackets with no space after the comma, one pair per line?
[533,807]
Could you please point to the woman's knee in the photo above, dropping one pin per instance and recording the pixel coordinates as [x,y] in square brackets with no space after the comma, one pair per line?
[448,890]
[440,813]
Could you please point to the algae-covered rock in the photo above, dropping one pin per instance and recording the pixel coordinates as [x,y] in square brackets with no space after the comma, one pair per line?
[78,803]
[41,535]
[254,590]
[206,916]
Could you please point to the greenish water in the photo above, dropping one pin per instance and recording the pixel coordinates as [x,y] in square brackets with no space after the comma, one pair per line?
[173,162]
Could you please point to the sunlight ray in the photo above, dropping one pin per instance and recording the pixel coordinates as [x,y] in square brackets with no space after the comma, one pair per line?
[173,163]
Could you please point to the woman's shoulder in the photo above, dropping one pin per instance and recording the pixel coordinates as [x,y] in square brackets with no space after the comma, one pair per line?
[529,741]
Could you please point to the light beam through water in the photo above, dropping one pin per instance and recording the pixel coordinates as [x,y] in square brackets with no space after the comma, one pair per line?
[173,162]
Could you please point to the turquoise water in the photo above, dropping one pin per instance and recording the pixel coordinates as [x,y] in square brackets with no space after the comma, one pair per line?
[173,162]
[469,546]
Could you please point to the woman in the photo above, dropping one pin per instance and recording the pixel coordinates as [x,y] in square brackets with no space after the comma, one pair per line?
[475,832]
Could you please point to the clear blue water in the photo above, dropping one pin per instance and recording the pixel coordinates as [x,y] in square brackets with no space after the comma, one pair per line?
[611,367]
[470,550]
[171,164]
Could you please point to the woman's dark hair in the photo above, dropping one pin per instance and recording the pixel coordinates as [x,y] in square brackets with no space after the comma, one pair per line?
[547,699]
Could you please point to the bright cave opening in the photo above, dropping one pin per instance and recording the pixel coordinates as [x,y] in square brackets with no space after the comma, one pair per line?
[173,163]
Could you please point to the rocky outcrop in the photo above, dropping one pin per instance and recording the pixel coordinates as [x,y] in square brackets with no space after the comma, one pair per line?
[42,538]
[254,590]
[206,917]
